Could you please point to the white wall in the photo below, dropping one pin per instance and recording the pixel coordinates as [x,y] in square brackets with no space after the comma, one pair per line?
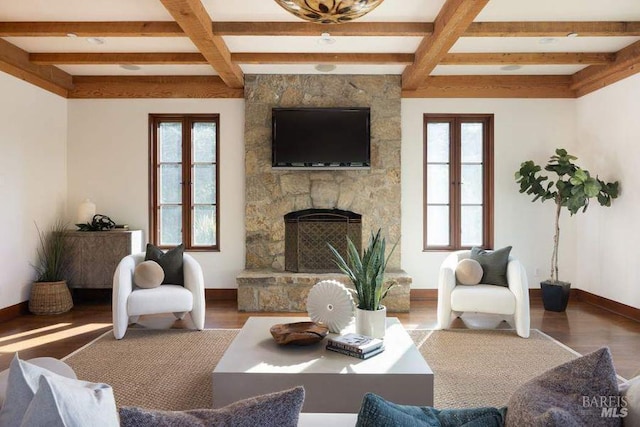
[108,160]
[608,131]
[32,178]
[525,129]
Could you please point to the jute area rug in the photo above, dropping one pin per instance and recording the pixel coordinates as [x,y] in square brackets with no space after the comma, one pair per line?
[171,369]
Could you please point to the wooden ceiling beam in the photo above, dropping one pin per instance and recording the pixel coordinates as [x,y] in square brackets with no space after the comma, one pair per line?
[15,61]
[493,87]
[92,29]
[626,63]
[553,29]
[141,58]
[452,21]
[196,23]
[403,29]
[152,87]
[322,58]
[526,58]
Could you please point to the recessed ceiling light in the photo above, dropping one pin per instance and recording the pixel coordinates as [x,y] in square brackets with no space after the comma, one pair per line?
[326,39]
[95,40]
[572,34]
[511,67]
[548,40]
[130,67]
[73,35]
[325,68]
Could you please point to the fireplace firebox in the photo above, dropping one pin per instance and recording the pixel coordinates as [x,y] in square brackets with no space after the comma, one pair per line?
[307,233]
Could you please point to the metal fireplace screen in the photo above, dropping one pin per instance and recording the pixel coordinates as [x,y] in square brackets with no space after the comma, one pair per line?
[307,232]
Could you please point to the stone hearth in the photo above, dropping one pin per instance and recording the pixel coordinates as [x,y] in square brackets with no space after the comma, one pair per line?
[283,291]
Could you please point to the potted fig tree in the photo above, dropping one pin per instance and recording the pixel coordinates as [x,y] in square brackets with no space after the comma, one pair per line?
[572,188]
[366,272]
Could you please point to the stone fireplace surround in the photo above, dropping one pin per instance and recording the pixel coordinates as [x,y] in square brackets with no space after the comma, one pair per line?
[271,193]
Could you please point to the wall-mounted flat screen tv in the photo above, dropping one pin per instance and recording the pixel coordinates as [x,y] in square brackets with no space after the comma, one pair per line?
[321,138]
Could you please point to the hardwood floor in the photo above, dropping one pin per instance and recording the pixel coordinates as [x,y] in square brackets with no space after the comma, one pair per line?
[583,327]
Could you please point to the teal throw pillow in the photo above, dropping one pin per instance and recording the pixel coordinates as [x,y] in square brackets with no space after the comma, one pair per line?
[493,263]
[378,412]
[279,409]
[170,261]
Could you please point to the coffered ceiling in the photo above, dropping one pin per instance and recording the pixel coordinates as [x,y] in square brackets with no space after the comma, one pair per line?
[203,48]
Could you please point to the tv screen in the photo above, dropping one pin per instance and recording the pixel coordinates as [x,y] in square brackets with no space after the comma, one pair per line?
[321,137]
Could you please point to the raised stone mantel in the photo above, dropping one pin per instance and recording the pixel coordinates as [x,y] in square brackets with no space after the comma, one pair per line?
[283,291]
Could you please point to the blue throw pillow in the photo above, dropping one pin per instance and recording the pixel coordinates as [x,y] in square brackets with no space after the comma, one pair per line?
[378,412]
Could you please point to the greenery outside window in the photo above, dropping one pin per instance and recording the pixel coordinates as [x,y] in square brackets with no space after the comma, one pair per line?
[458,181]
[184,175]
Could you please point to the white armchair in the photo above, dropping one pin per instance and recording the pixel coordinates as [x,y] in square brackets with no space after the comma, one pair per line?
[511,301]
[130,302]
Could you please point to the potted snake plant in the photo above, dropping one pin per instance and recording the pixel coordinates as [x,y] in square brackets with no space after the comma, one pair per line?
[572,188]
[366,272]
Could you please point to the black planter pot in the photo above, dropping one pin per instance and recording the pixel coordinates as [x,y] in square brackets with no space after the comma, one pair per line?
[555,295]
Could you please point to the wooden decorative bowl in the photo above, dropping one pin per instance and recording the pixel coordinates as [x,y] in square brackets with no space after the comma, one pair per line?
[299,333]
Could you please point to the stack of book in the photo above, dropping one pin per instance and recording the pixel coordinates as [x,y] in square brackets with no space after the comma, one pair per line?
[356,345]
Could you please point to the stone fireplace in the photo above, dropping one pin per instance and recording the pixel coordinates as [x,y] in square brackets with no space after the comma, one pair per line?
[266,285]
[307,234]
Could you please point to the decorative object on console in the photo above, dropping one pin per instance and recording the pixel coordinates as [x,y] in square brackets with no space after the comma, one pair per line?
[298,333]
[329,11]
[49,293]
[330,303]
[367,275]
[572,189]
[86,211]
[99,222]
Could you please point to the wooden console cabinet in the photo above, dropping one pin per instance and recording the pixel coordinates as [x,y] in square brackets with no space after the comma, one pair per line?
[95,255]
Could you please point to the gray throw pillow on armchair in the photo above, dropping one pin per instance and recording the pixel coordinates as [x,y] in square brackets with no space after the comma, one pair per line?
[493,263]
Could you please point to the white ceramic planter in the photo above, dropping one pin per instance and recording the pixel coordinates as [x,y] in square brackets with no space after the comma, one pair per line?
[371,323]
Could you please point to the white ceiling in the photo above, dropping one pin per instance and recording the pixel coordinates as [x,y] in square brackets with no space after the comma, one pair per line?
[268,10]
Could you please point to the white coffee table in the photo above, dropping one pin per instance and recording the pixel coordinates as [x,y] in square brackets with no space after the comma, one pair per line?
[254,364]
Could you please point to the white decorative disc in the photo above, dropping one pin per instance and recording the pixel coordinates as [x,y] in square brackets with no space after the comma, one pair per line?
[330,303]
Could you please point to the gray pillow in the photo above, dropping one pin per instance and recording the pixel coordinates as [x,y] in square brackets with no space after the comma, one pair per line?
[280,409]
[493,263]
[568,395]
[170,261]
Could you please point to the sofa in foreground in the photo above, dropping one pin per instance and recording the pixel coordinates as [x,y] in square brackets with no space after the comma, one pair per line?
[582,392]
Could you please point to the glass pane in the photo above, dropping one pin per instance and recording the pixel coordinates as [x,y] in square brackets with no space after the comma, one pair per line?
[471,224]
[170,141]
[471,150]
[437,225]
[170,225]
[471,184]
[204,142]
[204,226]
[437,184]
[170,187]
[204,184]
[438,142]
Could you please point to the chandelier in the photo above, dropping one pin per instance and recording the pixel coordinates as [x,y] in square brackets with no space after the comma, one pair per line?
[329,11]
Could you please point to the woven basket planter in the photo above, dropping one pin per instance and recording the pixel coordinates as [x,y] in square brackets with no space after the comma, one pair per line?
[50,298]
